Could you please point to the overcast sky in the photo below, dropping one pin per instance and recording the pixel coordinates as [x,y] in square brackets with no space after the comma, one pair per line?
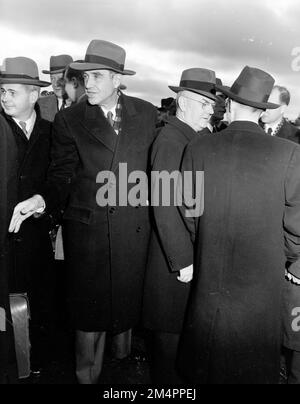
[162,37]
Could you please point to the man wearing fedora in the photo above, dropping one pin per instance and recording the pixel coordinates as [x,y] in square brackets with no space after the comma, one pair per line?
[105,247]
[33,257]
[249,227]
[51,104]
[170,260]
[274,121]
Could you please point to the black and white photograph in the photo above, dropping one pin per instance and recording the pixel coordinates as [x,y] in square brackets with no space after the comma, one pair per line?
[149,195]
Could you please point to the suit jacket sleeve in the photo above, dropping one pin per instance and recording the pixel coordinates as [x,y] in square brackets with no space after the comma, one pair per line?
[292,213]
[64,161]
[174,237]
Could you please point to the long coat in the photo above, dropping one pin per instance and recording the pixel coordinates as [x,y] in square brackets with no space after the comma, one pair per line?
[171,248]
[105,247]
[232,333]
[33,254]
[8,164]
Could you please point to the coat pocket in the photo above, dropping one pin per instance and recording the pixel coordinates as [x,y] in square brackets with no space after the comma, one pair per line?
[79,214]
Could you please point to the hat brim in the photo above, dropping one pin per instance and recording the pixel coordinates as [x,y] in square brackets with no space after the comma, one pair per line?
[98,66]
[205,93]
[54,71]
[38,83]
[260,105]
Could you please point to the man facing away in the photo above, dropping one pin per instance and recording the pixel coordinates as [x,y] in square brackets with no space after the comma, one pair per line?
[105,246]
[167,281]
[247,229]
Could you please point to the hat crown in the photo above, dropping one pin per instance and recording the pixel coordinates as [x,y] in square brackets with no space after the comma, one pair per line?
[60,61]
[253,84]
[198,74]
[20,66]
[107,50]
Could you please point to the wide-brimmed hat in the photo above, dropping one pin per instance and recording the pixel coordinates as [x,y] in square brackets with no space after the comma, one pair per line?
[198,80]
[21,70]
[58,64]
[253,87]
[103,55]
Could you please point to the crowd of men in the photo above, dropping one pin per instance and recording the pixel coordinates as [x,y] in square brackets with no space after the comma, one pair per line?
[217,286]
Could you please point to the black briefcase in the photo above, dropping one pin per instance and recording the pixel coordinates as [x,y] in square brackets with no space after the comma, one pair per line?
[20,313]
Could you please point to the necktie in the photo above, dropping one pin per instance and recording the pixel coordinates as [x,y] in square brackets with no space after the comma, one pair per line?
[23,126]
[269,132]
[63,105]
[110,118]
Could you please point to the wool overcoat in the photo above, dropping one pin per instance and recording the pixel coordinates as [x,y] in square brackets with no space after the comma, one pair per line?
[250,226]
[105,246]
[8,165]
[171,248]
[33,254]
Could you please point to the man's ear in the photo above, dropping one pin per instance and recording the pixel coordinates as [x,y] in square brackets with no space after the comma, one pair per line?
[117,80]
[182,103]
[34,95]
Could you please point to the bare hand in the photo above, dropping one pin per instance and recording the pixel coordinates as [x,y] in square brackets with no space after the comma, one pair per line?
[186,274]
[24,210]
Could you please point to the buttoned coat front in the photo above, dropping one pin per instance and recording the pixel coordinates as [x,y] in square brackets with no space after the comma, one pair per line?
[250,226]
[105,246]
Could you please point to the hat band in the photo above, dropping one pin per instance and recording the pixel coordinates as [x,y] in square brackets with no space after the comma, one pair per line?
[17,76]
[199,85]
[104,61]
[54,68]
[248,94]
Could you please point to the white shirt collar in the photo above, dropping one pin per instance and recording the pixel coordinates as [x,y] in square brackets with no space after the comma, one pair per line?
[29,123]
[112,110]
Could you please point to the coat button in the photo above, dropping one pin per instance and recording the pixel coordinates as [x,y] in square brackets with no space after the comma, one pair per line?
[112,210]
[139,229]
[18,239]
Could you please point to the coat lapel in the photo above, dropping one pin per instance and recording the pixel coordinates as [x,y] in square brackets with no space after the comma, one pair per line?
[129,132]
[98,126]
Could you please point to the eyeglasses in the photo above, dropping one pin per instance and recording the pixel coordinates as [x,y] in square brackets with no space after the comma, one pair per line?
[205,104]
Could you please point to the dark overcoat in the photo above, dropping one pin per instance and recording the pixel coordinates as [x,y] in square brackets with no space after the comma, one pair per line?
[289,131]
[33,254]
[105,247]
[171,248]
[232,332]
[8,164]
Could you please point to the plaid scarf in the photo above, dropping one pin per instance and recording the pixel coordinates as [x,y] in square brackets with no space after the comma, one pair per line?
[118,118]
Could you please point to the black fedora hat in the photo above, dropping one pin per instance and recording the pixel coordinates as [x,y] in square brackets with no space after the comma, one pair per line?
[21,70]
[58,64]
[198,80]
[103,55]
[252,87]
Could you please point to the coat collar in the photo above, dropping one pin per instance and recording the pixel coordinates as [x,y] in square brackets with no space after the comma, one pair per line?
[183,127]
[96,123]
[246,126]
